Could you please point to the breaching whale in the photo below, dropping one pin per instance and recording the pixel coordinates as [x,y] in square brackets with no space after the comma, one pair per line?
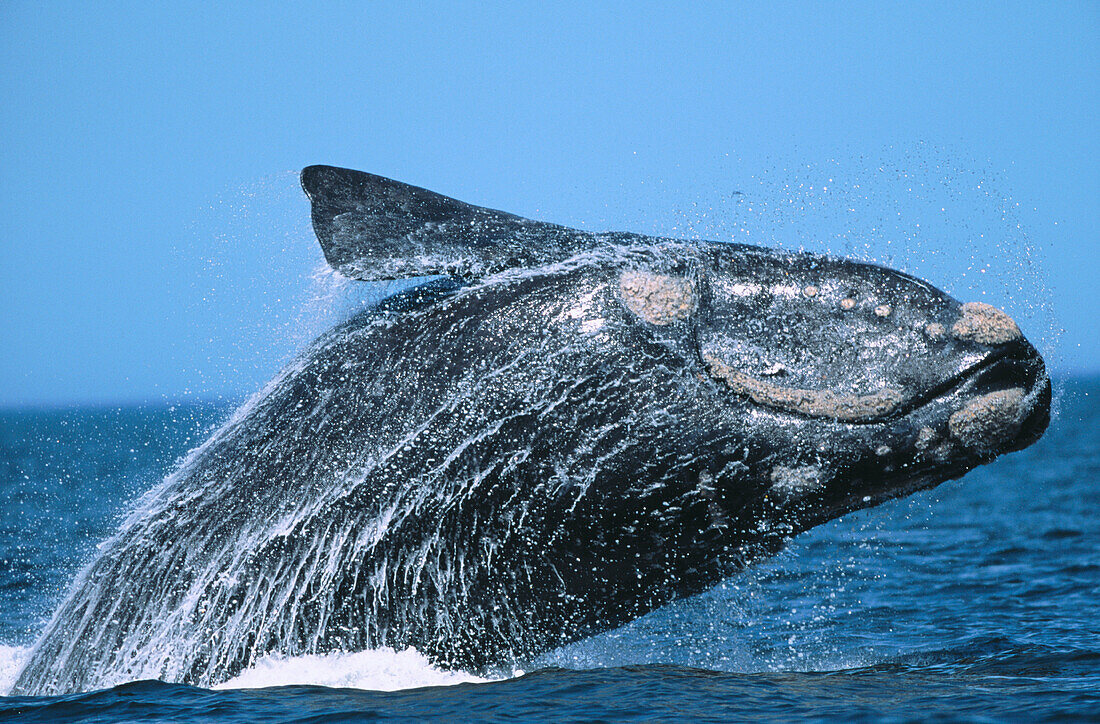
[555,434]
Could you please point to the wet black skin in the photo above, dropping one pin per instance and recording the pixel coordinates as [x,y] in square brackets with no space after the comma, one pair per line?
[489,466]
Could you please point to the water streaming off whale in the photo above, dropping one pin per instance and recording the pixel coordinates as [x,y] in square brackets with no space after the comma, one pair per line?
[568,432]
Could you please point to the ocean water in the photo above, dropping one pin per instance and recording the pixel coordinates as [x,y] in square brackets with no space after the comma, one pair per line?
[979,600]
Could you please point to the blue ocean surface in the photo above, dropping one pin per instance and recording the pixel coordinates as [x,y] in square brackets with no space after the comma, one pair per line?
[974,601]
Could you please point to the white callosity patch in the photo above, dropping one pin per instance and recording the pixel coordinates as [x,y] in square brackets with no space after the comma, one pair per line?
[988,420]
[658,298]
[814,403]
[985,324]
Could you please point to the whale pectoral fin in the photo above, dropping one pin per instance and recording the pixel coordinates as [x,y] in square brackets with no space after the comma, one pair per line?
[374,228]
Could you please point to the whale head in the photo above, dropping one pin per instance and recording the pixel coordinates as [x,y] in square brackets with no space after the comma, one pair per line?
[866,383]
[794,388]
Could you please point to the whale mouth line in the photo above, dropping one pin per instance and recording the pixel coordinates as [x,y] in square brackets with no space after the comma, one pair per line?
[884,405]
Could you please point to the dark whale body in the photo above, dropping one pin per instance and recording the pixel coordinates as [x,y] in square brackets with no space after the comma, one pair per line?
[564,433]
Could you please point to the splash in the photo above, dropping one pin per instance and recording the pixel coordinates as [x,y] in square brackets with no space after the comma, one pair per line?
[12,659]
[382,669]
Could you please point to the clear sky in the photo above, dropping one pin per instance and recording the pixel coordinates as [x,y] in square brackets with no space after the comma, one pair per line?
[153,245]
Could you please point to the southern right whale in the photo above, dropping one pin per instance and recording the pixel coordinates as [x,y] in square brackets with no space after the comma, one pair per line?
[562,432]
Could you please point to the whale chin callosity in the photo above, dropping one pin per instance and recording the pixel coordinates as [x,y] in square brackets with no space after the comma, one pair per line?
[557,433]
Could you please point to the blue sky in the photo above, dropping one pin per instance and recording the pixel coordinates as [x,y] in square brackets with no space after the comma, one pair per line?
[154,244]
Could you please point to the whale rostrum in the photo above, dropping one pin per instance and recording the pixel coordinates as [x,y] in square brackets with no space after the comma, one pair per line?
[557,433]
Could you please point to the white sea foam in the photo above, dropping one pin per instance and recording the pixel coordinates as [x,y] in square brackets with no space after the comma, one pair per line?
[12,659]
[382,669]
